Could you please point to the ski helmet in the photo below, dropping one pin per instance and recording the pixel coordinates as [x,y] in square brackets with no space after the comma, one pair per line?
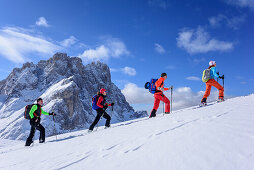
[163,74]
[102,90]
[212,63]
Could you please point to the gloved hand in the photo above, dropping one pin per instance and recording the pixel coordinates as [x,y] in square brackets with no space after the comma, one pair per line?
[52,113]
[34,119]
[112,104]
[105,107]
[221,77]
[218,73]
[160,88]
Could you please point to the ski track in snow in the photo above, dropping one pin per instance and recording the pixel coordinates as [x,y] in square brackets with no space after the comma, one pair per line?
[219,136]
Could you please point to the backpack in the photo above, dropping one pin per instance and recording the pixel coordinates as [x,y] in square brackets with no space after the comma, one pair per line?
[94,102]
[27,110]
[151,86]
[206,75]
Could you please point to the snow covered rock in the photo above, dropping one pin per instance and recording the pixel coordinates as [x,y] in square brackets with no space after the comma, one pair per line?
[66,86]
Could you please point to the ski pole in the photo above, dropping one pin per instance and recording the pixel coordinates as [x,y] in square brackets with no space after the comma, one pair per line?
[223,81]
[112,111]
[54,126]
[171,100]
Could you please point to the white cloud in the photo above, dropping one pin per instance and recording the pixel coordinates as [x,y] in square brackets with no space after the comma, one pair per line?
[113,69]
[112,48]
[129,71]
[69,41]
[116,47]
[137,95]
[242,3]
[216,21]
[42,22]
[159,48]
[16,43]
[99,53]
[233,22]
[199,41]
[182,97]
[194,78]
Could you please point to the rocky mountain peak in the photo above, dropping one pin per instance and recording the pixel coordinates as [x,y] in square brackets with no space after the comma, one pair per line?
[67,86]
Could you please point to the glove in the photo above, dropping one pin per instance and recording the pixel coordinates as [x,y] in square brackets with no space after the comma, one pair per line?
[221,77]
[160,88]
[218,73]
[52,113]
[112,104]
[34,119]
[105,107]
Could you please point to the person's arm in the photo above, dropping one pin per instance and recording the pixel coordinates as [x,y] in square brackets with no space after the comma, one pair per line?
[43,112]
[33,109]
[99,102]
[214,72]
[159,82]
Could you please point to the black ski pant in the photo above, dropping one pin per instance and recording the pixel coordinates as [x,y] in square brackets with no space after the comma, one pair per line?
[34,126]
[100,112]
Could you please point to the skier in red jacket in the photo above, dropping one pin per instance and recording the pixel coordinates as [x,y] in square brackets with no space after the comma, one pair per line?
[102,106]
[159,96]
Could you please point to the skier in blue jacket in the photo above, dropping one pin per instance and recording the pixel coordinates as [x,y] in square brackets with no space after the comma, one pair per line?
[212,82]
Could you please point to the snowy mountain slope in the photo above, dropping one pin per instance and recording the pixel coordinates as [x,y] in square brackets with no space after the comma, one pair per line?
[66,86]
[219,136]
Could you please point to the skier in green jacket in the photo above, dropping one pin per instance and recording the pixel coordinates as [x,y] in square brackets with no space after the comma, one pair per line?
[35,118]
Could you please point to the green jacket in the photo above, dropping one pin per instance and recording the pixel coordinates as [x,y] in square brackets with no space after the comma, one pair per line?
[33,109]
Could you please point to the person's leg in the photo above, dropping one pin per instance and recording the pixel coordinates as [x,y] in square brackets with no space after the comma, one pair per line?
[42,132]
[156,105]
[167,104]
[108,118]
[208,90]
[220,88]
[97,118]
[29,140]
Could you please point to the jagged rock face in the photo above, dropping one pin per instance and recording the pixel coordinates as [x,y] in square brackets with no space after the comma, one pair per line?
[66,86]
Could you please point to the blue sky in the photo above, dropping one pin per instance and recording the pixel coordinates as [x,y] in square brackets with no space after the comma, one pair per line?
[138,40]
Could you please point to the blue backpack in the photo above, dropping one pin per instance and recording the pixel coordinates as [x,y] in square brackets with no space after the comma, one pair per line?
[151,86]
[94,102]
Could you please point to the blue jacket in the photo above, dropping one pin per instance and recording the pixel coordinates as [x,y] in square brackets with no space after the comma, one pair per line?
[213,73]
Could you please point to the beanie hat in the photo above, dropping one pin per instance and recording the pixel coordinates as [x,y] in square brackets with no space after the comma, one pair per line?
[163,74]
[212,63]
[102,90]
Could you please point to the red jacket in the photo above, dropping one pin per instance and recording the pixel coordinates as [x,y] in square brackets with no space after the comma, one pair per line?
[160,83]
[101,102]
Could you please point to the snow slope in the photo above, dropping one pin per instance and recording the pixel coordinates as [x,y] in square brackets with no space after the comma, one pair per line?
[219,136]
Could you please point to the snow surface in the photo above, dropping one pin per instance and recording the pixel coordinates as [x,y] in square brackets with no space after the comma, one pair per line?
[217,137]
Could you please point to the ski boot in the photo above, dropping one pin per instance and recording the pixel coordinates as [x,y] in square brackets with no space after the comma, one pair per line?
[106,127]
[153,113]
[41,141]
[29,143]
[167,112]
[220,99]
[203,102]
